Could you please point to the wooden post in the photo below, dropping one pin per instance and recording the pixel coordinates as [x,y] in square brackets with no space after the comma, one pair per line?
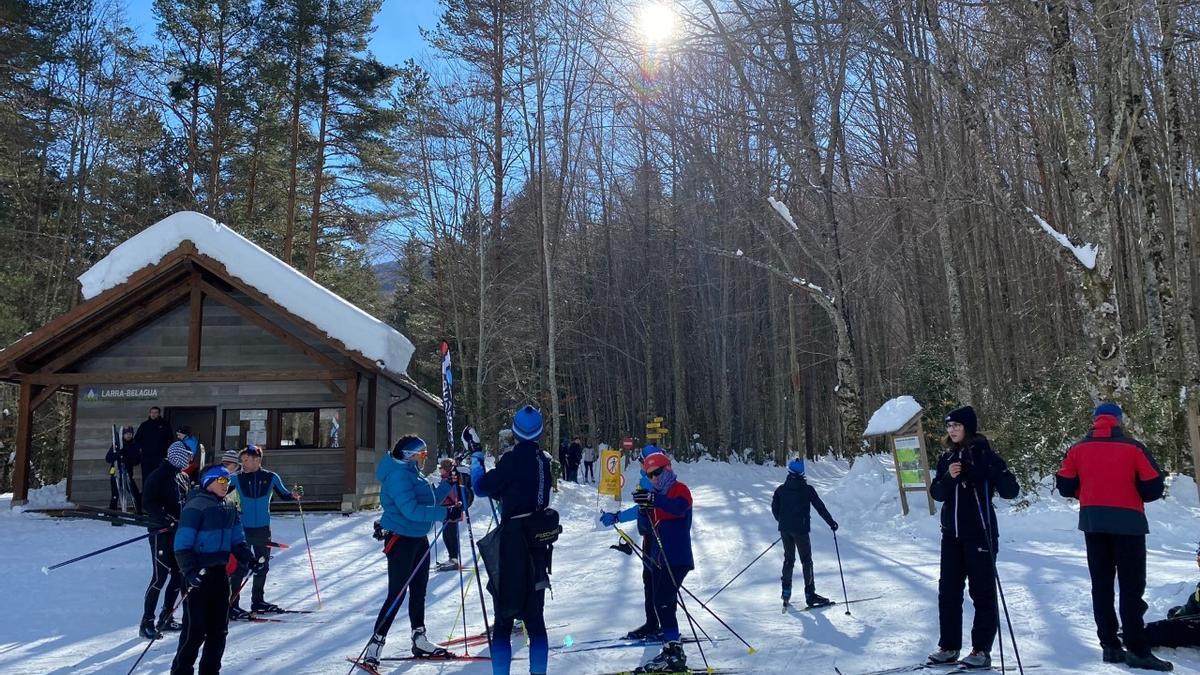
[24,440]
[71,439]
[195,325]
[899,476]
[925,466]
[350,440]
[1193,424]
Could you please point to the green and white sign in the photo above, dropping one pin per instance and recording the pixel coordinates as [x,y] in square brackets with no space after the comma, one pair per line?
[908,460]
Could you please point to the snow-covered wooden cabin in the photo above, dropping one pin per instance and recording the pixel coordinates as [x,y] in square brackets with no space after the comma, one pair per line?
[193,318]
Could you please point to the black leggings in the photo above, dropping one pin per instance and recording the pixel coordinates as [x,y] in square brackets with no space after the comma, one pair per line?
[407,557]
[205,622]
[166,575]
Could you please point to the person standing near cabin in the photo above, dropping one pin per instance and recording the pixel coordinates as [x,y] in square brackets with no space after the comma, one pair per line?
[121,461]
[254,487]
[520,481]
[410,508]
[665,517]
[791,507]
[153,437]
[969,472]
[1113,476]
[166,489]
[209,531]
[460,482]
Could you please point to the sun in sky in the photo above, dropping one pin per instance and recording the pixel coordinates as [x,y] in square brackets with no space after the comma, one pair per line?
[656,22]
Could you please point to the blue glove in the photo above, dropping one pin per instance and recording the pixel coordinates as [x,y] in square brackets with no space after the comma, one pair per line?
[608,519]
[477,457]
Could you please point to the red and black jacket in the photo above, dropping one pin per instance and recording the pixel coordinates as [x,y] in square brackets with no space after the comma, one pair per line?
[1112,476]
[668,528]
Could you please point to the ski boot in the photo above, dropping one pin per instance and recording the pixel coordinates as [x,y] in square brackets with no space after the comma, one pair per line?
[450,565]
[814,600]
[374,647]
[644,632]
[670,660]
[942,657]
[168,624]
[977,660]
[237,613]
[422,648]
[148,631]
[1147,662]
[263,607]
[1114,654]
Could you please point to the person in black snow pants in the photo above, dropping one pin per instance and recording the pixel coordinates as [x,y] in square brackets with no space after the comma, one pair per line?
[166,489]
[517,554]
[790,506]
[209,531]
[1181,628]
[968,474]
[121,461]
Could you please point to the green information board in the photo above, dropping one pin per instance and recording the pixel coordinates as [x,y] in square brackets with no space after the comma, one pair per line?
[908,461]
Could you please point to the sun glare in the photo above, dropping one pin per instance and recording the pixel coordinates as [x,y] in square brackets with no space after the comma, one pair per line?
[656,22]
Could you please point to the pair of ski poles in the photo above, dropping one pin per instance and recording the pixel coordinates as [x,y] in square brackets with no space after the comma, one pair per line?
[836,550]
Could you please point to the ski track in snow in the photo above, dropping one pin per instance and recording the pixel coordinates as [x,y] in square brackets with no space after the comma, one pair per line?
[83,618]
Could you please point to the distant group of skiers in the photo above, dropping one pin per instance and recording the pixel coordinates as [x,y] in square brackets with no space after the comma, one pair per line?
[575,454]
[211,527]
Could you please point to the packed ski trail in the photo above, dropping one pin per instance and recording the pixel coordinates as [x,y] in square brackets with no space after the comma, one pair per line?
[83,618]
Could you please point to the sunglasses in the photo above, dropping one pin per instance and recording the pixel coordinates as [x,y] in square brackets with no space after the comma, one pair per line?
[655,473]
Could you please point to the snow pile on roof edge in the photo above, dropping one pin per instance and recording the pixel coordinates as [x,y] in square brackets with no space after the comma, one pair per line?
[245,260]
[892,415]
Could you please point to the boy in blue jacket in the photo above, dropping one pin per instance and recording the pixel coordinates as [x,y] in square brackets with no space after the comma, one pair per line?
[410,508]
[209,530]
[254,488]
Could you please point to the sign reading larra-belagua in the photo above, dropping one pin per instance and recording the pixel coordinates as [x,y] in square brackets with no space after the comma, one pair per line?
[97,394]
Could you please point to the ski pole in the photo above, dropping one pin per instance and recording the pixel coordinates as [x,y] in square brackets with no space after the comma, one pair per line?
[840,573]
[675,582]
[311,566]
[987,533]
[395,604]
[46,570]
[182,597]
[735,577]
[479,580]
[462,587]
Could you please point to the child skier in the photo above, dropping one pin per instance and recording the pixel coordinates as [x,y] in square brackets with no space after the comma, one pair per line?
[651,629]
[460,479]
[209,530]
[1181,628]
[254,488]
[790,506]
[665,517]
[410,508]
[520,481]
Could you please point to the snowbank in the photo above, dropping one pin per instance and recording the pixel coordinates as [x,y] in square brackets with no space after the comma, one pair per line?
[251,264]
[892,415]
[48,497]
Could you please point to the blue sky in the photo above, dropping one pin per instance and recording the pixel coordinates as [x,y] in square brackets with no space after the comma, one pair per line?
[396,36]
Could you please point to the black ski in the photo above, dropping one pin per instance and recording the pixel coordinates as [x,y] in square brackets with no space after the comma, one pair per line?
[942,668]
[450,657]
[690,671]
[620,643]
[831,604]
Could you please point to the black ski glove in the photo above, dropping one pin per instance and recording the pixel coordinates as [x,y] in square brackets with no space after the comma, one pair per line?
[454,513]
[643,498]
[623,546]
[193,578]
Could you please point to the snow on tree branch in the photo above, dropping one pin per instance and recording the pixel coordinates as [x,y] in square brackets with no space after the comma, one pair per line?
[1084,253]
[783,211]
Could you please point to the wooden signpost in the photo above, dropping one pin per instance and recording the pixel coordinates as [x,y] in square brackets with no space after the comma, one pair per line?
[908,450]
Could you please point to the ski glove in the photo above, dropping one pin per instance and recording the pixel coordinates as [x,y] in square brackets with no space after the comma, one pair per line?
[454,513]
[623,546]
[477,457]
[258,566]
[643,498]
[194,578]
[608,519]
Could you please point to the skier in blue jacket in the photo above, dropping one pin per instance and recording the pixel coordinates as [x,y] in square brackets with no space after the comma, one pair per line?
[650,630]
[254,488]
[209,531]
[410,508]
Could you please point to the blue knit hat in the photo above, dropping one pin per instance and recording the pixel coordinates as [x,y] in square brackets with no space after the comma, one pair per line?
[527,423]
[178,455]
[1108,409]
[648,450]
[213,474]
[796,466]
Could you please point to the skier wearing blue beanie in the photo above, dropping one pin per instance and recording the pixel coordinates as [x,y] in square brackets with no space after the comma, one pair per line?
[790,506]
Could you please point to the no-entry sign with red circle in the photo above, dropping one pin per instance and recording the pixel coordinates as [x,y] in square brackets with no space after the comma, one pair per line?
[627,444]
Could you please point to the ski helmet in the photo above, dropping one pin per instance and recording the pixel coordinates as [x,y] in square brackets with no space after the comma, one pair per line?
[796,466]
[214,474]
[651,449]
[658,460]
[527,423]
[408,447]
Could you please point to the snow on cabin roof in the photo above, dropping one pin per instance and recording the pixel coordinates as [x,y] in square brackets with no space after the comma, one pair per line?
[892,416]
[245,260]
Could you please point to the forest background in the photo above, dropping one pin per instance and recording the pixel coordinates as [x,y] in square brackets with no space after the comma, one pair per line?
[758,219]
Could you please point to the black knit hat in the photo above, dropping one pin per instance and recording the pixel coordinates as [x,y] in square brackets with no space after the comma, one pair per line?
[966,417]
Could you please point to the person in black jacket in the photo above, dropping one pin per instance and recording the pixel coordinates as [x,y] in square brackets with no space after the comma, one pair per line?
[520,481]
[121,460]
[790,506]
[968,474]
[574,459]
[153,436]
[166,488]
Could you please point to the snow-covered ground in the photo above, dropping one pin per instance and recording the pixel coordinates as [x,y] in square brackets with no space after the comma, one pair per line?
[83,617]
